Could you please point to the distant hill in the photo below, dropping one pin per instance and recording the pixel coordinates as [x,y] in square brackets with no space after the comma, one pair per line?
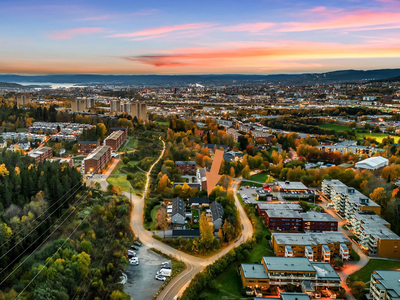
[392,79]
[176,80]
[9,85]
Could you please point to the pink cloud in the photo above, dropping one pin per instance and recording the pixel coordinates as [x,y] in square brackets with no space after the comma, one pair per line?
[359,19]
[114,16]
[155,32]
[318,9]
[71,33]
[251,27]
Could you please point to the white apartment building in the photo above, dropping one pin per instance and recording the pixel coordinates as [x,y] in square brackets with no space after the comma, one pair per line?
[385,285]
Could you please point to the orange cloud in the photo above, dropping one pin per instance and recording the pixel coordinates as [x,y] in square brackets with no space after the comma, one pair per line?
[359,19]
[251,27]
[155,32]
[257,56]
[71,33]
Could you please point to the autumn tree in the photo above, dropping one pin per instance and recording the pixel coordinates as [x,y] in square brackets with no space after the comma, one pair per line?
[206,232]
[379,196]
[161,219]
[225,181]
[163,183]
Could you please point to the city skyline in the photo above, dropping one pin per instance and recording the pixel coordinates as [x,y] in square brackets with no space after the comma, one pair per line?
[261,37]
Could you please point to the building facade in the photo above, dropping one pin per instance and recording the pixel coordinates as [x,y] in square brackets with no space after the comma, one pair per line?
[40,154]
[186,167]
[115,139]
[97,160]
[85,147]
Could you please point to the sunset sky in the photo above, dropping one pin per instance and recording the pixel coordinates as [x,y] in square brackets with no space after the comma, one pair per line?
[197,37]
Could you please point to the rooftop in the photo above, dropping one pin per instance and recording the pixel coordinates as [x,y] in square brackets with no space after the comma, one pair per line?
[310,238]
[115,135]
[293,185]
[388,280]
[97,153]
[372,163]
[279,206]
[288,264]
[254,271]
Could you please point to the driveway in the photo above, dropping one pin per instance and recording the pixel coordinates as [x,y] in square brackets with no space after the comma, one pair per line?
[141,283]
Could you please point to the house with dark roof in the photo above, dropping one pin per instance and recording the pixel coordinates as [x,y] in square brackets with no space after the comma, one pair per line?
[186,167]
[178,211]
[185,233]
[217,211]
[199,201]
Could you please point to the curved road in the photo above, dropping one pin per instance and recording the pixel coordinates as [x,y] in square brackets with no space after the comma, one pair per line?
[194,264]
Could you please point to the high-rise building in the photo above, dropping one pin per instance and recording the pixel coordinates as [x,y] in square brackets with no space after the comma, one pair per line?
[136,109]
[24,99]
[90,103]
[78,105]
[115,107]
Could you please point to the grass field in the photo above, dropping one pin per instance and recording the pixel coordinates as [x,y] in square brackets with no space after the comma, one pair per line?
[118,179]
[375,264]
[152,225]
[162,123]
[132,144]
[229,283]
[260,177]
[245,183]
[376,135]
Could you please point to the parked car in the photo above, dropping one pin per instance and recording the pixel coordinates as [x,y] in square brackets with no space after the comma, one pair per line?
[165,272]
[139,244]
[135,248]
[134,261]
[160,277]
[130,256]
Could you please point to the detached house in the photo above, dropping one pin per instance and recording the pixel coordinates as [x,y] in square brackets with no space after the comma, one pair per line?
[217,211]
[178,211]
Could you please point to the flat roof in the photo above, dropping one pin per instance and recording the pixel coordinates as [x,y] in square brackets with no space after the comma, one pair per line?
[325,271]
[97,153]
[310,238]
[389,280]
[276,206]
[288,264]
[294,296]
[254,271]
[293,185]
[317,216]
[283,213]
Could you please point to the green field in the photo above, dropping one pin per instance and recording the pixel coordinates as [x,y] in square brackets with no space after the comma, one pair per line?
[152,225]
[374,264]
[335,127]
[162,123]
[260,177]
[245,183]
[118,178]
[228,283]
[376,135]
[132,144]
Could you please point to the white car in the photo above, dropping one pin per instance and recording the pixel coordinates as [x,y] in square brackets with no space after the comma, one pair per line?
[131,252]
[162,278]
[134,261]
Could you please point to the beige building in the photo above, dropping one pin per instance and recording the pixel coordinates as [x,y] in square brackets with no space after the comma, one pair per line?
[78,105]
[24,99]
[136,109]
[115,107]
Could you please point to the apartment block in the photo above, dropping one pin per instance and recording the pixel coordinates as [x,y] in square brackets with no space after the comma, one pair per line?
[284,220]
[85,147]
[115,139]
[124,129]
[115,107]
[348,147]
[78,105]
[24,99]
[40,154]
[186,167]
[375,236]
[384,285]
[281,271]
[313,246]
[263,207]
[347,200]
[97,160]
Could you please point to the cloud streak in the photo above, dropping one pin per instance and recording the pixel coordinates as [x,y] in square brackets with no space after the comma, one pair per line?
[251,27]
[119,15]
[359,19]
[71,33]
[157,31]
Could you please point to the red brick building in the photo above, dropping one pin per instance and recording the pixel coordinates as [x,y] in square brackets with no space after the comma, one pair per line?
[97,160]
[40,154]
[186,167]
[285,220]
[125,130]
[85,147]
[115,139]
[263,207]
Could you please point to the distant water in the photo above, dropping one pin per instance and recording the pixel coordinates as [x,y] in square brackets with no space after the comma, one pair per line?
[52,84]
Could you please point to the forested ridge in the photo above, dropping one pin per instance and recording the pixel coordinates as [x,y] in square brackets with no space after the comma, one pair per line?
[58,239]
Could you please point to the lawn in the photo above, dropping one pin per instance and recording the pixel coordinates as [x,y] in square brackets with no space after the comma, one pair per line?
[229,282]
[118,179]
[335,127]
[245,183]
[260,177]
[375,264]
[152,225]
[162,123]
[376,135]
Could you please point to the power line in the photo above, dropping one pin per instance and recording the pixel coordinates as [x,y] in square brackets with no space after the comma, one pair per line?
[15,234]
[33,229]
[48,260]
[42,243]
[41,235]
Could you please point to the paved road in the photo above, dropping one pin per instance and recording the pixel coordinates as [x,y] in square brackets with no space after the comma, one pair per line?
[194,264]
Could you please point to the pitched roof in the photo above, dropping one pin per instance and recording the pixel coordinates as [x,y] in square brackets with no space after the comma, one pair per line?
[217,211]
[178,206]
[193,200]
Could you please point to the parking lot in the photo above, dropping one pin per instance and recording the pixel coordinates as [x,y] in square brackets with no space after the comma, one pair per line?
[250,193]
[141,283]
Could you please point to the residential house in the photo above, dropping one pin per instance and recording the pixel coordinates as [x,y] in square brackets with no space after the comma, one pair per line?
[217,212]
[178,211]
